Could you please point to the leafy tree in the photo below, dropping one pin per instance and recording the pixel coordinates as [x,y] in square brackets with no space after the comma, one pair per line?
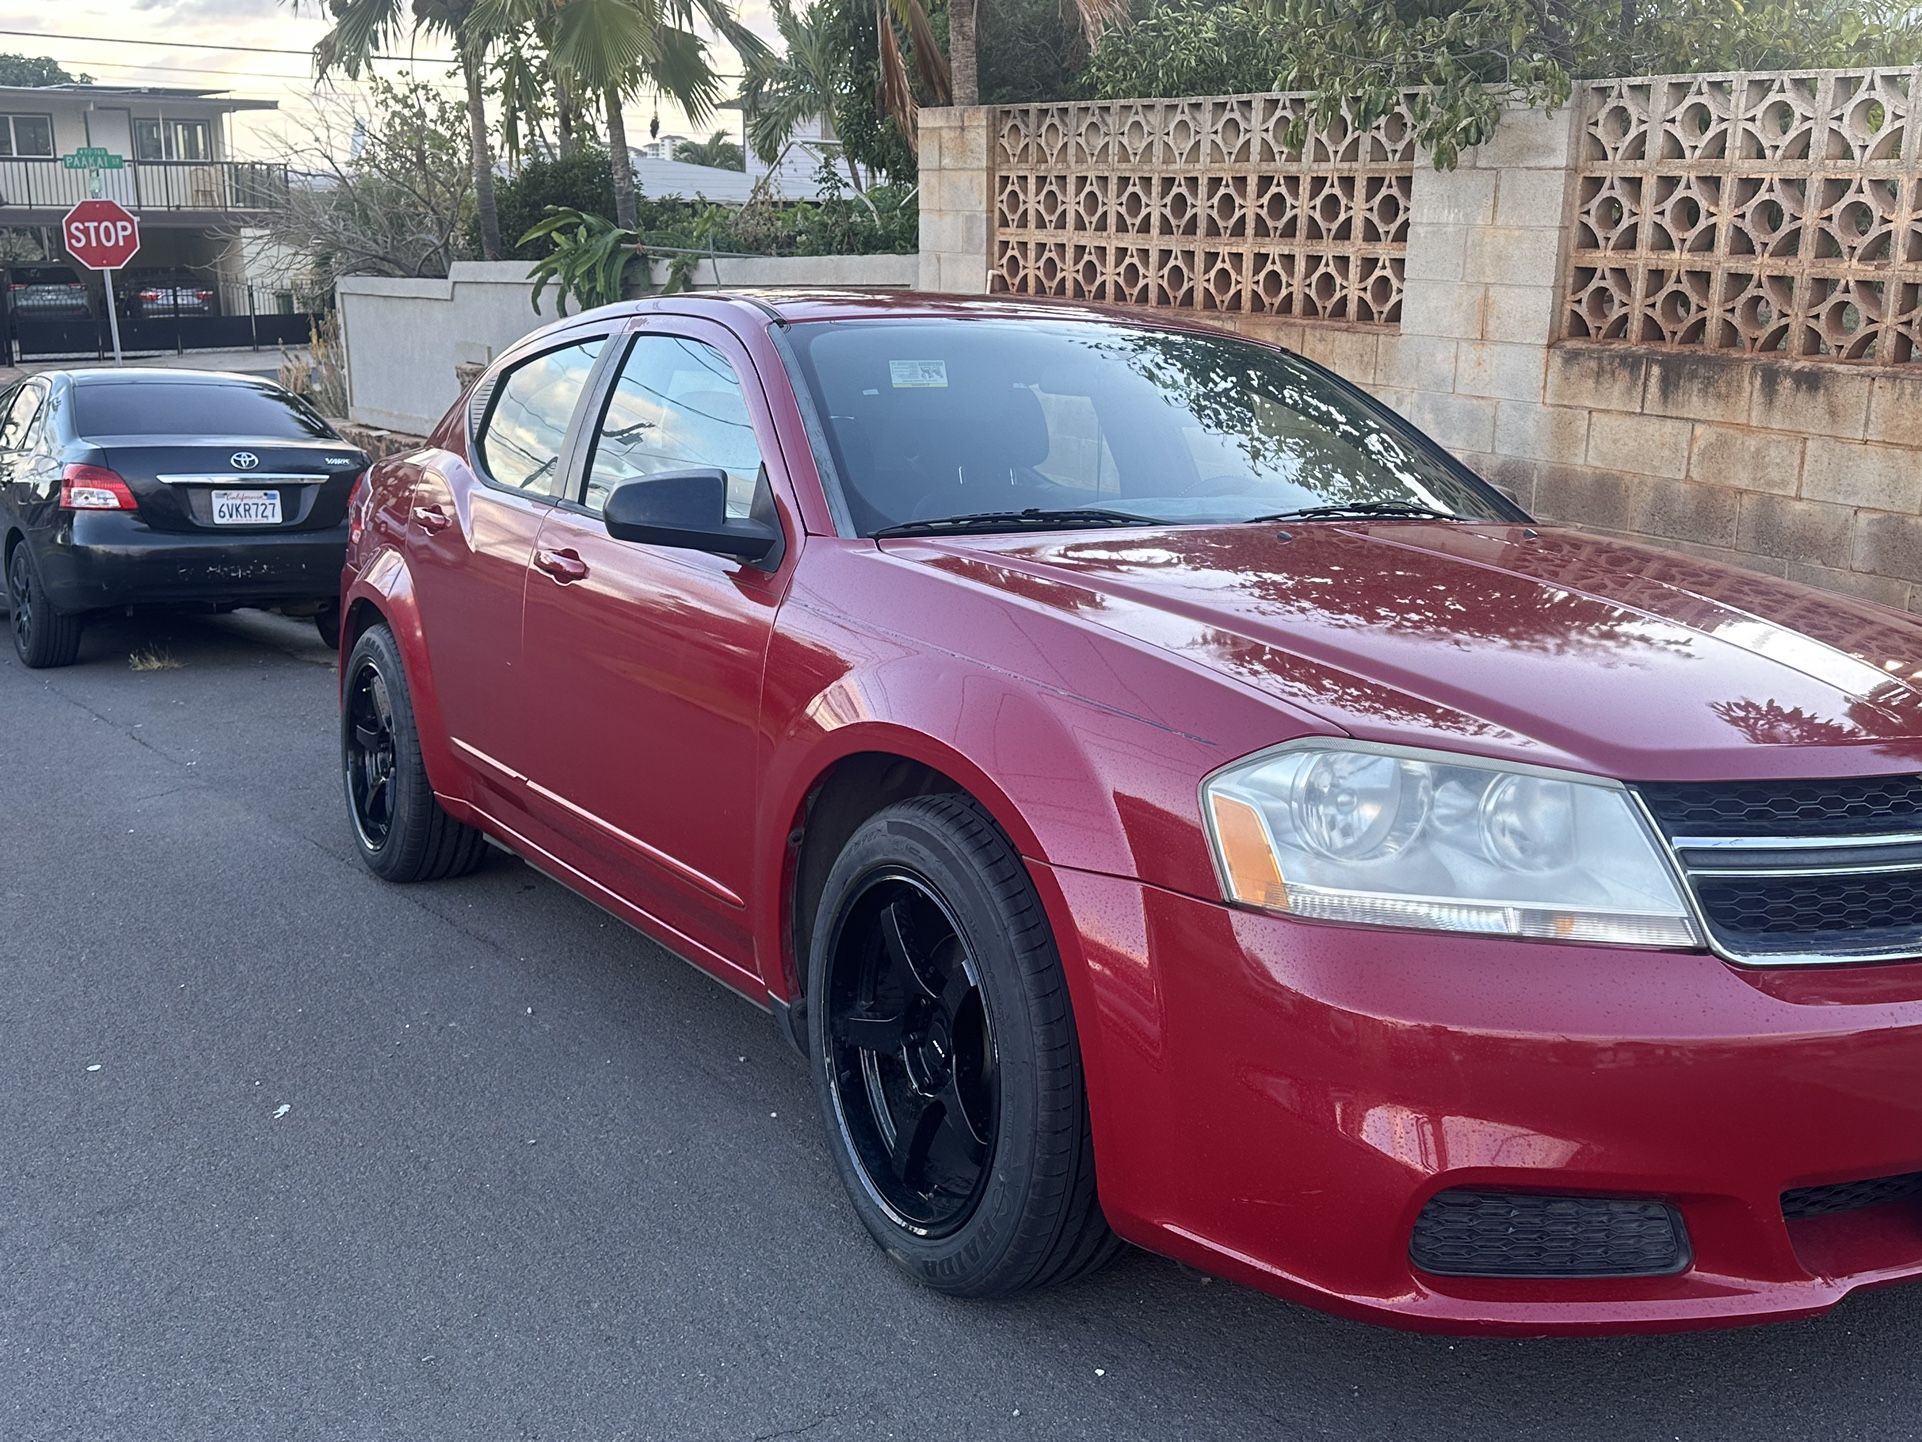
[582,181]
[1031,50]
[364,28]
[719,150]
[1008,25]
[870,137]
[37,70]
[388,190]
[1189,47]
[1459,62]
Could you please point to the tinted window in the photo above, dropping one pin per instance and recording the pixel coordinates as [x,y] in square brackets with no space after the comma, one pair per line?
[678,406]
[931,418]
[520,445]
[193,408]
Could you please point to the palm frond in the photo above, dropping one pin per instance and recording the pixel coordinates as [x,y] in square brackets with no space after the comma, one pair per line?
[897,95]
[1099,16]
[930,60]
[362,29]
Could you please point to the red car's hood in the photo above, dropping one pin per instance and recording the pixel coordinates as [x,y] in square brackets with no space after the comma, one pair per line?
[1550,645]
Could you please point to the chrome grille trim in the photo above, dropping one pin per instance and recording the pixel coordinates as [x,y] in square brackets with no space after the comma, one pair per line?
[1792,843]
[1845,858]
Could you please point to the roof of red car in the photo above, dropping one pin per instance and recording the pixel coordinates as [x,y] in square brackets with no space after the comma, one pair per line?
[796,304]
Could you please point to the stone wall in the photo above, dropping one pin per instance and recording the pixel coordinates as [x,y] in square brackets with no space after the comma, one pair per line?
[1794,449]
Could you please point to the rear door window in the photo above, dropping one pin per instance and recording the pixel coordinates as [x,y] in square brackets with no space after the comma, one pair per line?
[194,408]
[521,442]
[20,416]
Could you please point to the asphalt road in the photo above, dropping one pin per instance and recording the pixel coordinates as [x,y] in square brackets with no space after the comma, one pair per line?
[290,1153]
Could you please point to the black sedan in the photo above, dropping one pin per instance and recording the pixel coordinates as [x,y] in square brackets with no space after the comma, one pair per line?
[131,488]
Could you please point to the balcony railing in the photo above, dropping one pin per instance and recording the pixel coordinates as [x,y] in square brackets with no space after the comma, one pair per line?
[145,185]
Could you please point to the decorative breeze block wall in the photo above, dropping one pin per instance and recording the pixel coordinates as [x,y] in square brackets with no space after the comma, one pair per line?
[1199,204]
[1770,214]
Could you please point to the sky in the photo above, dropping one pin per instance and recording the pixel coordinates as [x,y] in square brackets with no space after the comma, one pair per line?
[108,40]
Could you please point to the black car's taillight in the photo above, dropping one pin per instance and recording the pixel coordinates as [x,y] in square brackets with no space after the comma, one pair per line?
[94,488]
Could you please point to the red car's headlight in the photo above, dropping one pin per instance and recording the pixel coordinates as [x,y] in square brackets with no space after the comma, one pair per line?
[1349,831]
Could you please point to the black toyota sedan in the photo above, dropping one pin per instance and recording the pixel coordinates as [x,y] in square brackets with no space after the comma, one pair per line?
[131,488]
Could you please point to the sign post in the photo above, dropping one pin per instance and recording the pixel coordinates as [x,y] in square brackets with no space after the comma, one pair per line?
[102,236]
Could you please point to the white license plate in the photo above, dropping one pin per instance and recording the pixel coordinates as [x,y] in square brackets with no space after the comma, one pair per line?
[246,508]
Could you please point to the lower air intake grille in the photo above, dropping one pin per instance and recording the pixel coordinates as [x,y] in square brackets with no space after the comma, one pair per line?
[1521,1234]
[1805,1202]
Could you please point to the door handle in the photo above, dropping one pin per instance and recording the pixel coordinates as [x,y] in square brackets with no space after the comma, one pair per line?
[430,518]
[564,566]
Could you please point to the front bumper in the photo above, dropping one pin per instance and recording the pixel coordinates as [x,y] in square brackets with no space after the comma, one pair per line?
[1277,1101]
[104,559]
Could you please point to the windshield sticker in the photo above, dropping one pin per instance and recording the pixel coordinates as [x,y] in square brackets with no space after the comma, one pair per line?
[918,374]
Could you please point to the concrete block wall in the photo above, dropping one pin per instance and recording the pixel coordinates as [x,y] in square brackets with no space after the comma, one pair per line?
[1810,470]
[407,341]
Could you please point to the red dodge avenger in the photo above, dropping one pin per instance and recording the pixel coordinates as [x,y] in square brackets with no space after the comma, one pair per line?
[1169,799]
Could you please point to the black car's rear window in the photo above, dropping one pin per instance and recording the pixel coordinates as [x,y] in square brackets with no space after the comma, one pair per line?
[178,408]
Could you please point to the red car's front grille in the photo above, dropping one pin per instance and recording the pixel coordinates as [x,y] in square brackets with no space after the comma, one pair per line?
[1767,809]
[1801,871]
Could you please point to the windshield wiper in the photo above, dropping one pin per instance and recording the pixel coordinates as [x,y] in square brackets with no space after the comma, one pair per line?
[1340,510]
[1034,517]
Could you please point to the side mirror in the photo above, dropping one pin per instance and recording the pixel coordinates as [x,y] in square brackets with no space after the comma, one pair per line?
[686,510]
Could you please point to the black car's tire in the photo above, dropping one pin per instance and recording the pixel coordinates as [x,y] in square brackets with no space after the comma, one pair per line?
[934,987]
[42,635]
[400,829]
[327,622]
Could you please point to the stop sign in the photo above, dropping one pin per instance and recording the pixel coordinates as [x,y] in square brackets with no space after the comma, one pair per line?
[100,234]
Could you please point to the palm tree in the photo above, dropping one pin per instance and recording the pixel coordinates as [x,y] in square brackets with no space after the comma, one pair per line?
[365,28]
[720,150]
[611,50]
[795,86]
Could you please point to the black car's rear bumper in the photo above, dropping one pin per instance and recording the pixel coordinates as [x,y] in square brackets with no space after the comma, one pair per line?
[106,559]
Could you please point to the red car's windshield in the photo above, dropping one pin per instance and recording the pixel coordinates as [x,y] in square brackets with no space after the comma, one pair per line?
[929,419]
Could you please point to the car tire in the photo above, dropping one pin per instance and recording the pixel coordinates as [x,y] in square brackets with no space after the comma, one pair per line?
[327,623]
[43,636]
[400,829]
[934,986]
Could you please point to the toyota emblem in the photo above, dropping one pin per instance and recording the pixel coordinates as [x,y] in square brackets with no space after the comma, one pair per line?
[243,460]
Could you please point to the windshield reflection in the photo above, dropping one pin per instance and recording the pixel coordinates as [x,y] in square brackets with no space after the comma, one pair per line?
[929,420]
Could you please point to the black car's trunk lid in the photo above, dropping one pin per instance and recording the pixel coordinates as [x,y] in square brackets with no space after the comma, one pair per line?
[185,483]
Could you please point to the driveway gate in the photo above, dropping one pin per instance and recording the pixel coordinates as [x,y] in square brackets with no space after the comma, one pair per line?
[157,317]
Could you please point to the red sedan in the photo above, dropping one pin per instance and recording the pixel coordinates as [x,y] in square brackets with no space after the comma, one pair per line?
[1168,798]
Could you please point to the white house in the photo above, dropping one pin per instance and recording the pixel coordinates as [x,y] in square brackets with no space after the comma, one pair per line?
[177,175]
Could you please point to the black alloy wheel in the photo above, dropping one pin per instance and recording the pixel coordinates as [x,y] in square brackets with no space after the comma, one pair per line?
[369,746]
[42,636]
[945,1058]
[912,1062]
[402,831]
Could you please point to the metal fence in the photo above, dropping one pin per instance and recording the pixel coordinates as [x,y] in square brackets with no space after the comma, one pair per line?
[158,316]
[1203,204]
[1768,214]
[146,185]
